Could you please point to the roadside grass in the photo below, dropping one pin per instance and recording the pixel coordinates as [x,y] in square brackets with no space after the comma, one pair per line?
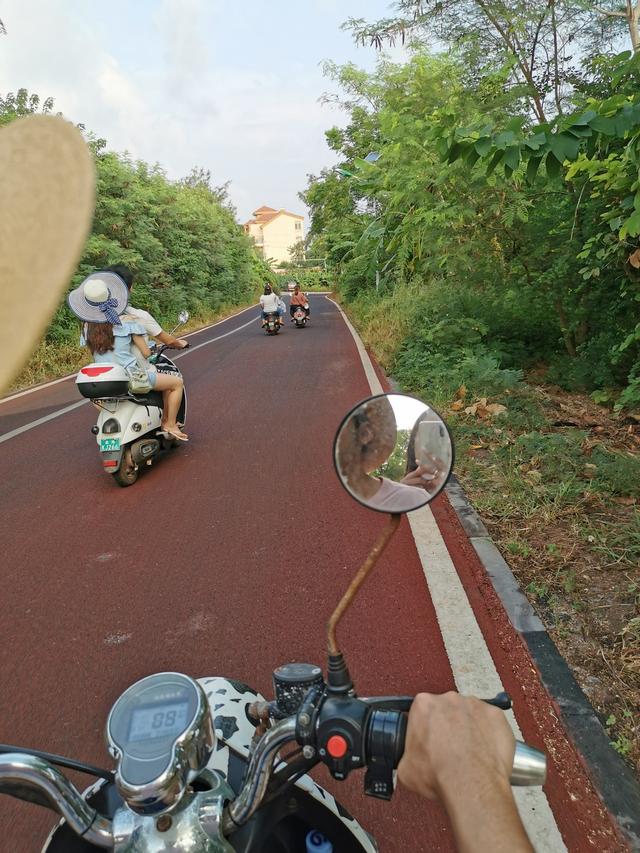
[53,360]
[556,479]
[561,503]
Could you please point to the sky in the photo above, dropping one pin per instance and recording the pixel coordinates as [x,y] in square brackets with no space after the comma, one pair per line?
[228,86]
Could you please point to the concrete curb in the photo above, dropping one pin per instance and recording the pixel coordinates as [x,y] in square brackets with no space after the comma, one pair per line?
[612,778]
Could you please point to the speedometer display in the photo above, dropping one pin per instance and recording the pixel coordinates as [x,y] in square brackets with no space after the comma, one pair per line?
[160,732]
[159,720]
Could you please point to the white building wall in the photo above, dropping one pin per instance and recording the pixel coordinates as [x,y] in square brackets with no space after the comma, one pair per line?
[279,235]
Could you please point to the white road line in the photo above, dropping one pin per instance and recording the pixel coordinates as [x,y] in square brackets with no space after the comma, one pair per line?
[218,322]
[35,388]
[213,340]
[471,663]
[43,385]
[26,427]
[60,412]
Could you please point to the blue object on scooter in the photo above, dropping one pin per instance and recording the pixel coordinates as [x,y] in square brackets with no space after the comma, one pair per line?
[317,843]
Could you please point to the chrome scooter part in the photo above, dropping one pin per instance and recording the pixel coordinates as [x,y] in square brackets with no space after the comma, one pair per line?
[161,734]
[258,775]
[46,785]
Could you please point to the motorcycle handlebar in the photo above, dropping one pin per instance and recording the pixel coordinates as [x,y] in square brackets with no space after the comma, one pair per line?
[31,778]
[386,740]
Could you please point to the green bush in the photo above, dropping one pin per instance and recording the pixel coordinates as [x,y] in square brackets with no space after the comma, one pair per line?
[307,279]
[180,239]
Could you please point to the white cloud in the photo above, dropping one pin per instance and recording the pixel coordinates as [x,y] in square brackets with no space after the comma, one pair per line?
[180,105]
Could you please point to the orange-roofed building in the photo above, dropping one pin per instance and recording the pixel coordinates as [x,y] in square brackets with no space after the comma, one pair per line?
[274,232]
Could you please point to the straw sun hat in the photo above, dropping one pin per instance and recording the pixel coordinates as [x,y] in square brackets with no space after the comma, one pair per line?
[47,184]
[101,298]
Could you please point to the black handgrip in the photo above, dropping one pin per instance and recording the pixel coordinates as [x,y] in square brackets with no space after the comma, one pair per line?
[386,733]
[501,700]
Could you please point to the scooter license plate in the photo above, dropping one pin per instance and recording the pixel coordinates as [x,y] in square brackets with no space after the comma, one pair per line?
[107,444]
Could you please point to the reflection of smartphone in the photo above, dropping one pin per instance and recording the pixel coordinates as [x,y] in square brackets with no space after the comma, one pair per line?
[430,435]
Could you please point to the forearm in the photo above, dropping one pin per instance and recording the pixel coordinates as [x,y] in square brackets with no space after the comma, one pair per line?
[167,338]
[486,818]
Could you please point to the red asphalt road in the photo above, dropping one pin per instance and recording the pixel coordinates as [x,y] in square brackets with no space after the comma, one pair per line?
[226,558]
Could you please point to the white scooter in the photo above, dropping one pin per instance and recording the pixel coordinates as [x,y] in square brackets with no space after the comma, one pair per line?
[128,431]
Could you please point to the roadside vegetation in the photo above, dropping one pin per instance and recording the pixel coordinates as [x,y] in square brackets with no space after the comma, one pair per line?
[317,280]
[483,227]
[180,239]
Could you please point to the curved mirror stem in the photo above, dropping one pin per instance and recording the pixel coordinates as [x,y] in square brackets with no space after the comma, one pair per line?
[361,576]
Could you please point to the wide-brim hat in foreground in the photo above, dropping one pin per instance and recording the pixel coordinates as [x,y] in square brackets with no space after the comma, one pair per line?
[47,190]
[101,298]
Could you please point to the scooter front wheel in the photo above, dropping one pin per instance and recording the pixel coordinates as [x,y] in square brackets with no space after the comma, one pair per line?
[128,472]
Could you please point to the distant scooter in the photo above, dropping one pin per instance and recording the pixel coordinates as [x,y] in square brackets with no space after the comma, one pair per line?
[128,431]
[301,315]
[271,323]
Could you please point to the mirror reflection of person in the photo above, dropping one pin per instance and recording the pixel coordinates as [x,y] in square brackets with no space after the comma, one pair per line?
[366,440]
[428,443]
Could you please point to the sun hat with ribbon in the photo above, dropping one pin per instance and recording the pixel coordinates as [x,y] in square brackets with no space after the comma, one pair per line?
[46,206]
[101,298]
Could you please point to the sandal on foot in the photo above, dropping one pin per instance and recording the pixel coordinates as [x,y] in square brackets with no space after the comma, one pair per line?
[177,434]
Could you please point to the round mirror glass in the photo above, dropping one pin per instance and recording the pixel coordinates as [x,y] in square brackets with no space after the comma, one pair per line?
[393,453]
[183,316]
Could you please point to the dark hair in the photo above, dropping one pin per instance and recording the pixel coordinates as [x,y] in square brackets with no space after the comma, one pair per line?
[124,272]
[100,337]
[268,289]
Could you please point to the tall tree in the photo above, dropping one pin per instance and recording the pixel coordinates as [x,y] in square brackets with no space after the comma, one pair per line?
[538,45]
[21,103]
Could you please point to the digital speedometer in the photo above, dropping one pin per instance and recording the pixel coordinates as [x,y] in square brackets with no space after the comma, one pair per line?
[154,721]
[161,734]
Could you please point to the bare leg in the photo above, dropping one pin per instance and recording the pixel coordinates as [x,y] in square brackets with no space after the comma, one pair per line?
[171,387]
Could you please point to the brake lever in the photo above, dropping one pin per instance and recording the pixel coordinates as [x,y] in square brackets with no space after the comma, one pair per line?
[389,703]
[501,700]
[403,703]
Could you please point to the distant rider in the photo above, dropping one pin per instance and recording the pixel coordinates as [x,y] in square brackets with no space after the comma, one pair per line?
[271,304]
[299,300]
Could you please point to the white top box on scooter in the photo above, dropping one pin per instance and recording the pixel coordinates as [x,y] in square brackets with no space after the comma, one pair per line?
[100,381]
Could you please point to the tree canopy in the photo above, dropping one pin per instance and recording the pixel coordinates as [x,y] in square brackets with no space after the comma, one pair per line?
[502,206]
[180,238]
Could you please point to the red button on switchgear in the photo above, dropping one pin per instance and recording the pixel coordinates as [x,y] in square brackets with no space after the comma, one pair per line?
[337,746]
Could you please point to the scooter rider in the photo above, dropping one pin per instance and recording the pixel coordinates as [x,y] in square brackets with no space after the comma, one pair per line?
[270,303]
[299,300]
[100,301]
[151,325]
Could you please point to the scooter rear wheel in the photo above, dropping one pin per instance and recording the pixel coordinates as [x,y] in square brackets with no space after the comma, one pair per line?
[128,472]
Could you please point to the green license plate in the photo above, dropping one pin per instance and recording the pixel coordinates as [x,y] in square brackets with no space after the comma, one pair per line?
[109,444]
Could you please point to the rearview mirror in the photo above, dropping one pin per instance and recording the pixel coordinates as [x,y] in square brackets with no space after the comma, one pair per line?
[393,453]
[183,316]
